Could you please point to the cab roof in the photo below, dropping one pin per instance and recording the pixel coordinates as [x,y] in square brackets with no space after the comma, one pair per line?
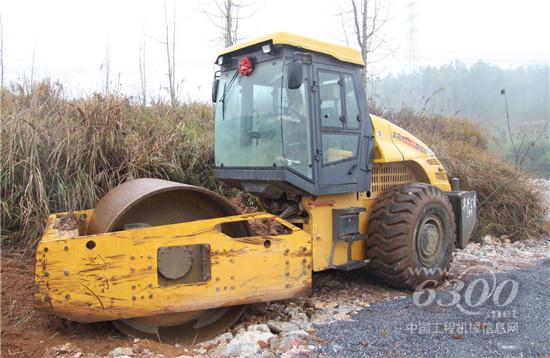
[342,53]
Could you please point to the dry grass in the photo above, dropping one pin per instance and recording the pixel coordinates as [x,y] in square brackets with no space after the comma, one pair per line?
[60,155]
[507,204]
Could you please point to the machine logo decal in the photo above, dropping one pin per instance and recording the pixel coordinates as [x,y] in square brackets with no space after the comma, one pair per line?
[411,143]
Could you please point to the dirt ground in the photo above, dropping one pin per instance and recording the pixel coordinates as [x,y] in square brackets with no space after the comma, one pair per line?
[29,333]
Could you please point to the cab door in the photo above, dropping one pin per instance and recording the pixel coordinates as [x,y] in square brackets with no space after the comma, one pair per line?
[339,134]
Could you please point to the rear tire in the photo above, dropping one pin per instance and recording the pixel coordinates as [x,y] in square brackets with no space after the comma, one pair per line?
[412,236]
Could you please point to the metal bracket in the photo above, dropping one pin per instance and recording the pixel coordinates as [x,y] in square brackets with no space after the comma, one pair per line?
[345,227]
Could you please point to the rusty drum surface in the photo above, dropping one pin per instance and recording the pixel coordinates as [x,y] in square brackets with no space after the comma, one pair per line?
[152,202]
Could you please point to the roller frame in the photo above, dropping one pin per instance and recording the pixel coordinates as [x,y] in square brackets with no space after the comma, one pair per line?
[117,278]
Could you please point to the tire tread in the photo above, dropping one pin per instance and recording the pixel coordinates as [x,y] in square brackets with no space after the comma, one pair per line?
[389,233]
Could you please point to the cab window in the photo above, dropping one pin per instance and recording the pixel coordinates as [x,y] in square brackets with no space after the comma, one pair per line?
[330,99]
[352,105]
[339,146]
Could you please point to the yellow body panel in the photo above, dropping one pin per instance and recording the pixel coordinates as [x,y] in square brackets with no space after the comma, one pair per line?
[400,158]
[342,53]
[118,277]
[394,144]
[319,226]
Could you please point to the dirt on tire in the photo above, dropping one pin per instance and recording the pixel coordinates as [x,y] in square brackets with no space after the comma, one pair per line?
[392,230]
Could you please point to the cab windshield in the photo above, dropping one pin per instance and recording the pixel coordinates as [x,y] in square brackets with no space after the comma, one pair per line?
[262,123]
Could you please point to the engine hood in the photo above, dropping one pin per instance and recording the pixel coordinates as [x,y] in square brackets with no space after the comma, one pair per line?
[395,144]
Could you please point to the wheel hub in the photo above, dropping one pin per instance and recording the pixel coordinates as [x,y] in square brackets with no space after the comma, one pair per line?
[174,262]
[429,241]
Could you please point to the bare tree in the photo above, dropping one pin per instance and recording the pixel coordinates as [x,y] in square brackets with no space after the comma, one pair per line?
[170,55]
[142,74]
[107,67]
[343,23]
[521,150]
[226,18]
[368,18]
[231,22]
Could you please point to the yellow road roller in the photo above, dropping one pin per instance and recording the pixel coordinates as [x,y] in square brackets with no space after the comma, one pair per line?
[344,189]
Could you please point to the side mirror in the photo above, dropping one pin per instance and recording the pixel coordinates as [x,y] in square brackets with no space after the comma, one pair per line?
[215,85]
[294,73]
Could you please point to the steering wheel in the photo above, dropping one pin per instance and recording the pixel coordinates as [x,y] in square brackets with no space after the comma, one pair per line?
[295,112]
[267,128]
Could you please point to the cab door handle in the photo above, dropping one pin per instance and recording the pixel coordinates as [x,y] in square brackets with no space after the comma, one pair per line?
[318,155]
[352,169]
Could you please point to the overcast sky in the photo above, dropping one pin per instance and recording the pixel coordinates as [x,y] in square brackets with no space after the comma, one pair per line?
[69,39]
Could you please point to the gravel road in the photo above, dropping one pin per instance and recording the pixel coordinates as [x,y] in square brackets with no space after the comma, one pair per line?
[400,328]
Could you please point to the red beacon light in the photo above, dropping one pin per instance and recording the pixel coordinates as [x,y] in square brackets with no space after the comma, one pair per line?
[246,66]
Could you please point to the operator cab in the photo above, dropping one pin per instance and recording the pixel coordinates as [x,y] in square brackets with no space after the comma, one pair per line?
[290,119]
